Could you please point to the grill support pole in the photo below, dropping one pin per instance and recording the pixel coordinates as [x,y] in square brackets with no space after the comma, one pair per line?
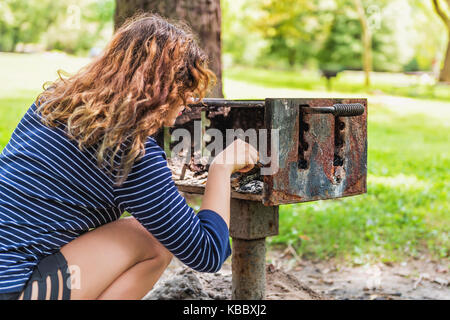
[249,269]
[250,223]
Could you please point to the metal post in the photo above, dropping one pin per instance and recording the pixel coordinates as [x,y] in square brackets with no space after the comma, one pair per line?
[251,222]
[249,269]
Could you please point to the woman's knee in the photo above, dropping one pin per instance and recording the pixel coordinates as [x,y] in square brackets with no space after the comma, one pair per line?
[161,256]
[165,257]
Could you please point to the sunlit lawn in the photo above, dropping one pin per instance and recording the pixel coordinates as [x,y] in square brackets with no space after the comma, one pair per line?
[22,77]
[408,85]
[406,209]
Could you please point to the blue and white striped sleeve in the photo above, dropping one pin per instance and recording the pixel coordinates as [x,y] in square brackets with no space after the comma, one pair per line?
[200,241]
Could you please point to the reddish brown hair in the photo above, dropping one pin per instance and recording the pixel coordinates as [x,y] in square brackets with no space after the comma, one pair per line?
[123,96]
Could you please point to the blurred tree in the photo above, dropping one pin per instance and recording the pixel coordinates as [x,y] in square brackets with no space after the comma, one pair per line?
[25,20]
[241,42]
[412,65]
[330,34]
[426,40]
[71,25]
[82,25]
[294,28]
[367,41]
[445,16]
[203,16]
[343,47]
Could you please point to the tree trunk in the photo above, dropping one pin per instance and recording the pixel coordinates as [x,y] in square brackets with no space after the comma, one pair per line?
[292,55]
[444,75]
[15,38]
[203,16]
[367,41]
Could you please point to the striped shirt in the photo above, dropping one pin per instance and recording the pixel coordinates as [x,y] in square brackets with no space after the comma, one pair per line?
[51,192]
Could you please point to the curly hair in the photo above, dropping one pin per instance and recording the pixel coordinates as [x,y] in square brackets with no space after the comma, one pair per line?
[124,95]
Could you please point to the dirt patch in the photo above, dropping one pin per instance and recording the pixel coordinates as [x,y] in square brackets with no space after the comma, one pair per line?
[290,278]
[284,286]
[412,279]
[181,283]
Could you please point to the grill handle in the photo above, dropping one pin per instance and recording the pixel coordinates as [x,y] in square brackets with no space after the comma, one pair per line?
[339,109]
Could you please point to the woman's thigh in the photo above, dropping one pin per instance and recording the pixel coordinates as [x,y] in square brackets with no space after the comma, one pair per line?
[100,256]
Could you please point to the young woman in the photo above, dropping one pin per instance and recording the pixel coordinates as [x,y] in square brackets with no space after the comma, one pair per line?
[83,154]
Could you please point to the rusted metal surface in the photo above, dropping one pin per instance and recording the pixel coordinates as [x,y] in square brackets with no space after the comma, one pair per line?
[248,269]
[250,224]
[252,220]
[321,156]
[217,102]
[215,107]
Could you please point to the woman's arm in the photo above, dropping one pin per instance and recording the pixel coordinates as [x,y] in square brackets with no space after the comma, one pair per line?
[238,156]
[201,241]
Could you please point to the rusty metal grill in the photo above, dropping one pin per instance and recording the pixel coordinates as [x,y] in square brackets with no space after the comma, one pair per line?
[322,144]
[321,154]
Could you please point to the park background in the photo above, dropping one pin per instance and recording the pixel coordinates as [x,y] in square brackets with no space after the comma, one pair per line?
[280,48]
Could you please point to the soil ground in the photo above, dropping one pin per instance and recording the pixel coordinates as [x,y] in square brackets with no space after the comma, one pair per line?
[294,279]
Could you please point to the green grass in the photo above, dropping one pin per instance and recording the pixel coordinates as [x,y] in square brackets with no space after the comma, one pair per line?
[22,78]
[406,209]
[347,81]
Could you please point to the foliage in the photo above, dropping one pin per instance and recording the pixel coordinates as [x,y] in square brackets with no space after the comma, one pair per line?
[72,26]
[343,46]
[412,65]
[80,27]
[294,28]
[267,33]
[300,33]
[25,20]
[240,43]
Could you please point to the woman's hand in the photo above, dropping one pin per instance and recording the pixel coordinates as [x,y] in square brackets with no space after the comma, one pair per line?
[238,156]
